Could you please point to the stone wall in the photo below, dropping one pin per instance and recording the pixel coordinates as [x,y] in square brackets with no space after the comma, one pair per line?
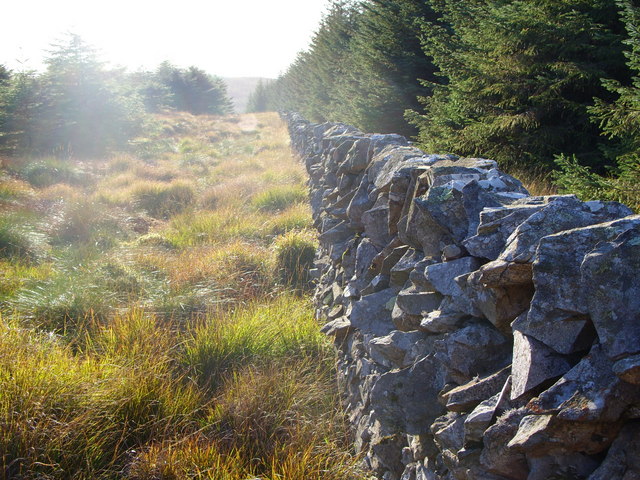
[482,333]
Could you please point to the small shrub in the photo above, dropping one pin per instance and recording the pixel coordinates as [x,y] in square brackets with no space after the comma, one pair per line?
[295,252]
[279,197]
[163,200]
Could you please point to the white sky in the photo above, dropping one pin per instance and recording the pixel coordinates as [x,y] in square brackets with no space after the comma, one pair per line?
[235,38]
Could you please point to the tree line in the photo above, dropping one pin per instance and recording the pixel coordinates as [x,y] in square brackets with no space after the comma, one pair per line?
[78,106]
[539,85]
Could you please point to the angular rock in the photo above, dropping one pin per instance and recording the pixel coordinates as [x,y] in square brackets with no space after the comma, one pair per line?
[359,204]
[533,364]
[407,400]
[376,225]
[572,465]
[441,321]
[484,415]
[399,349]
[395,159]
[476,349]
[622,461]
[441,276]
[499,305]
[590,392]
[498,223]
[610,278]
[496,456]
[559,308]
[372,313]
[400,272]
[628,369]
[563,213]
[338,328]
[466,397]
[414,302]
[540,435]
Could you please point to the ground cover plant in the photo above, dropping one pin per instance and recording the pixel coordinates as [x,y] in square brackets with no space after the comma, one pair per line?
[153,317]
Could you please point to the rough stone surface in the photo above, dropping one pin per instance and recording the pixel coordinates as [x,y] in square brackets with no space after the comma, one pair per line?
[481,334]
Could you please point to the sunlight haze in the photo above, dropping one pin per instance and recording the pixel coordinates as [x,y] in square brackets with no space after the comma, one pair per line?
[231,39]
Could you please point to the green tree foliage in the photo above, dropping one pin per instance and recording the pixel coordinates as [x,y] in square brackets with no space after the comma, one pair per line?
[258,99]
[385,66]
[76,107]
[620,121]
[518,77]
[363,66]
[193,90]
[87,113]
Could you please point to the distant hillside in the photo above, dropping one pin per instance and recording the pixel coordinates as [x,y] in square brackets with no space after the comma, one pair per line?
[240,88]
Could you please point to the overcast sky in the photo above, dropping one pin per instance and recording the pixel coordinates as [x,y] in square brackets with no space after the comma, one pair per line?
[235,38]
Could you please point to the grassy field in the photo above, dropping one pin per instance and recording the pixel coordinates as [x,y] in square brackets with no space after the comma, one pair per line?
[154,322]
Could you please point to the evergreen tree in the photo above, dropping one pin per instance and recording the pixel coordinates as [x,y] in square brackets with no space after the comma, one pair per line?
[85,111]
[193,90]
[258,99]
[619,121]
[385,65]
[518,77]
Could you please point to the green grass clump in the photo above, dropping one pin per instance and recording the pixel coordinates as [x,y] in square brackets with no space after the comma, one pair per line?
[49,171]
[295,252]
[279,329]
[279,197]
[19,240]
[162,200]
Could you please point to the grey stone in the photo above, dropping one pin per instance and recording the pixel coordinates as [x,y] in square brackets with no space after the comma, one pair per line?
[448,431]
[439,321]
[466,397]
[402,269]
[590,392]
[628,369]
[622,461]
[407,400]
[533,364]
[496,225]
[564,303]
[611,279]
[359,204]
[481,418]
[338,328]
[563,213]
[416,302]
[441,276]
[499,305]
[573,465]
[372,313]
[476,349]
[396,349]
[497,457]
[393,159]
[376,225]
[546,434]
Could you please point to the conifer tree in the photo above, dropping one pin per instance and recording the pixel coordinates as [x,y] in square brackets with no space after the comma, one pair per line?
[518,76]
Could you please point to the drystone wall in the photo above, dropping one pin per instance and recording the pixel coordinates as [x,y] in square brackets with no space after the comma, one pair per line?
[482,333]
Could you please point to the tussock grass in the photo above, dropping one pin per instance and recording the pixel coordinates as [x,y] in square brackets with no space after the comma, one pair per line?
[279,197]
[280,329]
[163,200]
